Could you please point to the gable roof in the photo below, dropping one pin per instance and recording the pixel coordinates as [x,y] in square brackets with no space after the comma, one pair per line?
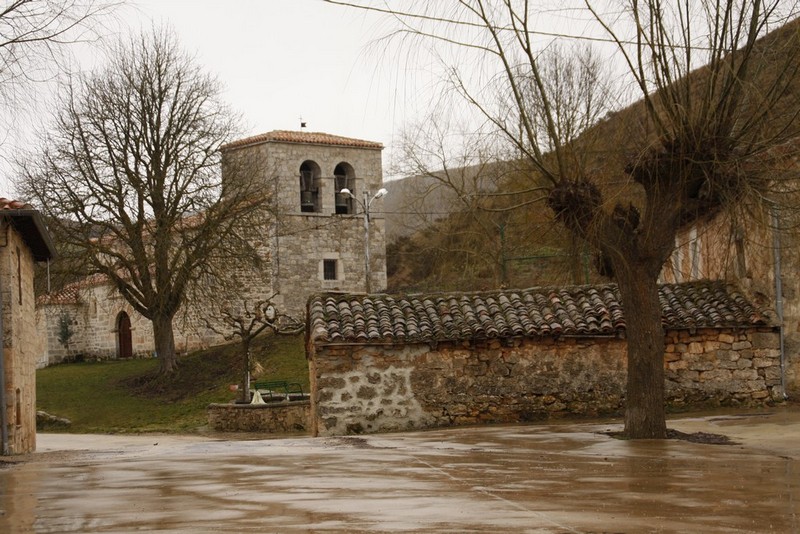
[30,225]
[307,138]
[535,312]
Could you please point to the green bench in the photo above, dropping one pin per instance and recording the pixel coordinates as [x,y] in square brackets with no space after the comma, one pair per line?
[278,389]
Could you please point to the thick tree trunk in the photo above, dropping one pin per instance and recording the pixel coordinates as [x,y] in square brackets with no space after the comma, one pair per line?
[644,410]
[165,344]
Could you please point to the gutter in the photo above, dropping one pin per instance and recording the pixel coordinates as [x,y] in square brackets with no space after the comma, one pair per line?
[434,342]
[776,250]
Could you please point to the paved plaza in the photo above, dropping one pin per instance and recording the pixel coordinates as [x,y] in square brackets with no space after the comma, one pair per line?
[550,477]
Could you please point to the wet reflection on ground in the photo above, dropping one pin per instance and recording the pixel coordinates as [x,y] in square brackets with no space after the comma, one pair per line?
[533,478]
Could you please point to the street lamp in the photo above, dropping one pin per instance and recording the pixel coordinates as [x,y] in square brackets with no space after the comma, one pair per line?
[365,206]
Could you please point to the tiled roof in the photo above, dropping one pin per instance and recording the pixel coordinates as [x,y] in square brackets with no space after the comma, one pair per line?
[30,225]
[308,138]
[71,293]
[535,312]
[8,204]
[67,295]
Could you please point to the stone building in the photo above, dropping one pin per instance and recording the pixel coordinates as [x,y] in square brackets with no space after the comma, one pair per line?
[761,256]
[24,240]
[88,319]
[315,242]
[318,239]
[387,363]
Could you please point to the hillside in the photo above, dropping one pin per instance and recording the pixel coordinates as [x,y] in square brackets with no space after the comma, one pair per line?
[475,237]
[476,246]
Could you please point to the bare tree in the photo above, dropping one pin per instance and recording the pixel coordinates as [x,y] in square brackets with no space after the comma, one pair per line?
[34,36]
[131,176]
[715,100]
[476,177]
[245,320]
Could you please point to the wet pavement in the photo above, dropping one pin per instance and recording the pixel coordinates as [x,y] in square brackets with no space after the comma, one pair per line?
[565,477]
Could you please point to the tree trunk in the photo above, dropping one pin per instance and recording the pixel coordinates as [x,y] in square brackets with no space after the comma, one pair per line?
[165,344]
[645,417]
[246,371]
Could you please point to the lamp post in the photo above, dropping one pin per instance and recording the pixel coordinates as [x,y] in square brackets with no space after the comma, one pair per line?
[365,206]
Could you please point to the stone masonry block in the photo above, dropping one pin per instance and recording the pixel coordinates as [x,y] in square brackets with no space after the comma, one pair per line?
[763,362]
[745,374]
[765,340]
[695,348]
[726,338]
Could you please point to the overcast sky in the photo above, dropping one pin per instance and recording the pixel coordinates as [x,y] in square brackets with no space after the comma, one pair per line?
[280,60]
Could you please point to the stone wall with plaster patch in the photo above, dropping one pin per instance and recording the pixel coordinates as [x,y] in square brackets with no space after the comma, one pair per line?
[380,388]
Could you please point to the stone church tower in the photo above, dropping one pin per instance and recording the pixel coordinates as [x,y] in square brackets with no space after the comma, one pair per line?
[318,240]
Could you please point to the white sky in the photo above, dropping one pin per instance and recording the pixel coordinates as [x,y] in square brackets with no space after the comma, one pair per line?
[280,60]
[283,59]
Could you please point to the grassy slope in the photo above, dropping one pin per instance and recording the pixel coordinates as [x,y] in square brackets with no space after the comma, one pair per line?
[126,396]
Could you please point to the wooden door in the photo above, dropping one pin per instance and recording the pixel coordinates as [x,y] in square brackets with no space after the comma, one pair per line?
[124,336]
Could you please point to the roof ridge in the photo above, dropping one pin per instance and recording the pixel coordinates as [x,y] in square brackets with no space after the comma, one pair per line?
[302,137]
[11,204]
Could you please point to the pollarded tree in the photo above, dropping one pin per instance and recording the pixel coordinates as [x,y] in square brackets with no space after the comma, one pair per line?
[131,176]
[245,320]
[718,93]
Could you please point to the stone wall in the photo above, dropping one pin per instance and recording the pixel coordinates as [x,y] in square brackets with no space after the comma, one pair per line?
[723,367]
[48,319]
[273,418]
[363,388]
[22,346]
[726,249]
[94,327]
[94,318]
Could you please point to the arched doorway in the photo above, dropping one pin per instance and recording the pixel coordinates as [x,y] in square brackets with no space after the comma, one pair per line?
[124,343]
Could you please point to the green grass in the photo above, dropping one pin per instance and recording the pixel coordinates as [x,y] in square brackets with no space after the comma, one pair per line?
[129,396]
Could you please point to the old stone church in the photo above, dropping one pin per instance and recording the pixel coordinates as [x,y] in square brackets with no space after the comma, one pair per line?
[317,243]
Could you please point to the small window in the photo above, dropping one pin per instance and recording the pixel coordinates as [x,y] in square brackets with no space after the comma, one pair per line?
[329,269]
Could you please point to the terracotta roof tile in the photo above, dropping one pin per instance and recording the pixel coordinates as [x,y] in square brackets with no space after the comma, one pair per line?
[67,295]
[308,138]
[71,293]
[8,204]
[535,312]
